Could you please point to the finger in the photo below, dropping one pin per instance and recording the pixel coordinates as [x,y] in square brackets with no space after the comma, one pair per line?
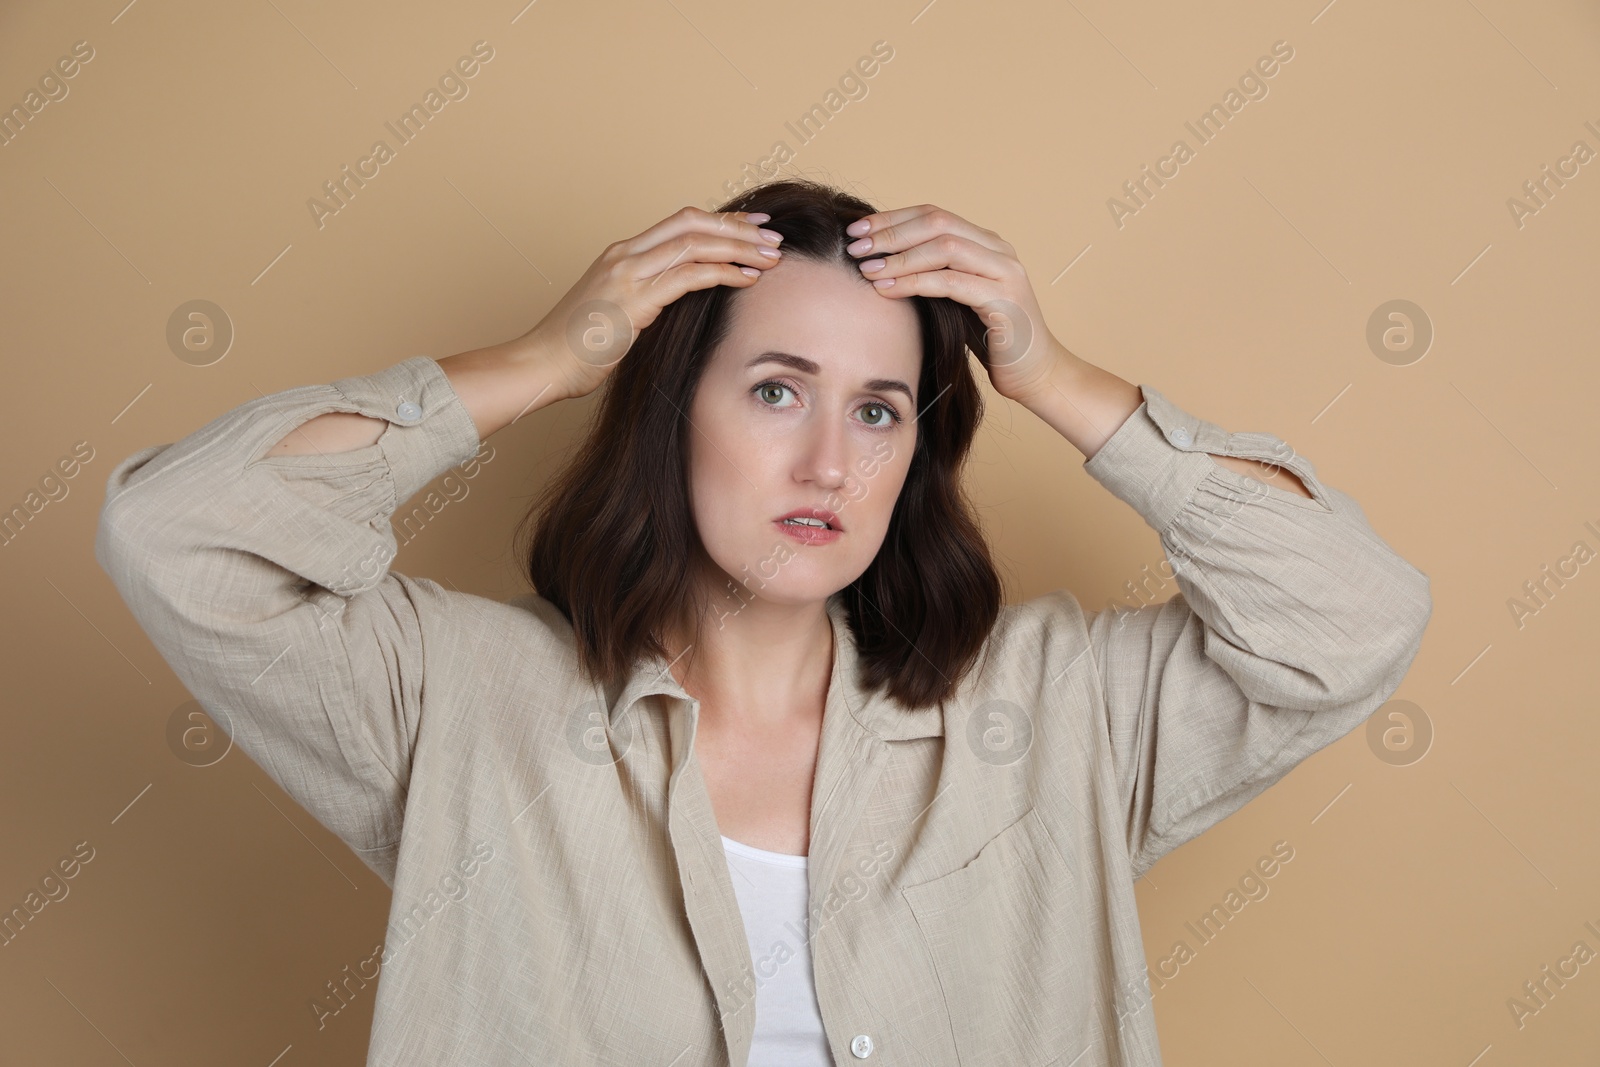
[969,289]
[671,284]
[733,225]
[1009,331]
[897,230]
[702,245]
[943,251]
[698,248]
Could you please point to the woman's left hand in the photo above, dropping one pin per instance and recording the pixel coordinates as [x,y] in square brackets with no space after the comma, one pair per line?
[928,251]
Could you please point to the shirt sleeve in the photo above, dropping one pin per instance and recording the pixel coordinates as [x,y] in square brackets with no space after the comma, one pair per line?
[1292,622]
[265,585]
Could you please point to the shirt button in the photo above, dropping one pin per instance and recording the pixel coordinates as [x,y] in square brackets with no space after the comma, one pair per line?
[861,1046]
[408,412]
[1180,435]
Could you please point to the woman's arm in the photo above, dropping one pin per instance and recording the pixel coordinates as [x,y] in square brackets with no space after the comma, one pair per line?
[1292,621]
[497,384]
[1087,404]
[264,583]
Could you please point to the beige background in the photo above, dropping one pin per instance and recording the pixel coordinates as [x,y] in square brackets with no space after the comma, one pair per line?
[1422,894]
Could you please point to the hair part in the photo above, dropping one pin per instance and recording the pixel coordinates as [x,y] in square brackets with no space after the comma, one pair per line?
[610,541]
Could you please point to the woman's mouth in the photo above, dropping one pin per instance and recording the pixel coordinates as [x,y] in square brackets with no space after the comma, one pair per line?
[811,526]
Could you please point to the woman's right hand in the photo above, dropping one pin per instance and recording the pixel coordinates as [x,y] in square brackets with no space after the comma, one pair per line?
[592,327]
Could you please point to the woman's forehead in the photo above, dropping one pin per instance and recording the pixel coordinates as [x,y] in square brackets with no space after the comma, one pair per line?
[821,313]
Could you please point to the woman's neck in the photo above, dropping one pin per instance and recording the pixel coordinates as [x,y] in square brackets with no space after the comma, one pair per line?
[760,667]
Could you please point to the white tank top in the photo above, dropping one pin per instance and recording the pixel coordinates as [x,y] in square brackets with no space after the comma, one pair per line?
[771,887]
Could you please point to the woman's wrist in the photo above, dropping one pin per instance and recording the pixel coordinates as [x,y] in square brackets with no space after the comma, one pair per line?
[1084,403]
[501,383]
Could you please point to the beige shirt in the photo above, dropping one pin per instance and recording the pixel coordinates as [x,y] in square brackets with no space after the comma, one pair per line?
[560,891]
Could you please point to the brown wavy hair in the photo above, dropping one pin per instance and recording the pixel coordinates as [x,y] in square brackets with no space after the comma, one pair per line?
[610,541]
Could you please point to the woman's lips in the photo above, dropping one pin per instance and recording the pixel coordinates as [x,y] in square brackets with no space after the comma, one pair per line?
[809,535]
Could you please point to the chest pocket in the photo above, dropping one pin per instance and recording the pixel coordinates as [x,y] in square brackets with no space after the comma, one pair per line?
[1007,936]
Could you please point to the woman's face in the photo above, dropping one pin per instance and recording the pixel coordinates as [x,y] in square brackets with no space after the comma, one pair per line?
[809,402]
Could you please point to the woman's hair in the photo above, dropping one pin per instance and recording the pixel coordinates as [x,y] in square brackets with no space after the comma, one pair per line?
[613,540]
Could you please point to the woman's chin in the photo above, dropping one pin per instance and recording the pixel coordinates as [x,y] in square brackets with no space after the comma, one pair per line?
[787,591]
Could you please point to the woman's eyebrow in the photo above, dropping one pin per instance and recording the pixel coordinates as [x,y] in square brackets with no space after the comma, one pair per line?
[806,366]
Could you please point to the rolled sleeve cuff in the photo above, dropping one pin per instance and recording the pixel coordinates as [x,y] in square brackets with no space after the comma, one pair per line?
[430,428]
[1159,457]
[1155,459]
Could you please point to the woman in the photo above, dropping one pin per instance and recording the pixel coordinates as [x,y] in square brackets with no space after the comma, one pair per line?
[735,787]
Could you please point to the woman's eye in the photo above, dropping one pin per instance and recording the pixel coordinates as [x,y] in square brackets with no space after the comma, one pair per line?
[883,416]
[772,389]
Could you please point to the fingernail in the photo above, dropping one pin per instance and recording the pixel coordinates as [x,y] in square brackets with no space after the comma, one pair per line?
[884,283]
[751,271]
[772,235]
[759,216]
[859,248]
[858,227]
[872,265]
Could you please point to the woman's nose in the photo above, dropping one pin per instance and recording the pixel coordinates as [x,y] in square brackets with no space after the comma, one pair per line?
[825,457]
